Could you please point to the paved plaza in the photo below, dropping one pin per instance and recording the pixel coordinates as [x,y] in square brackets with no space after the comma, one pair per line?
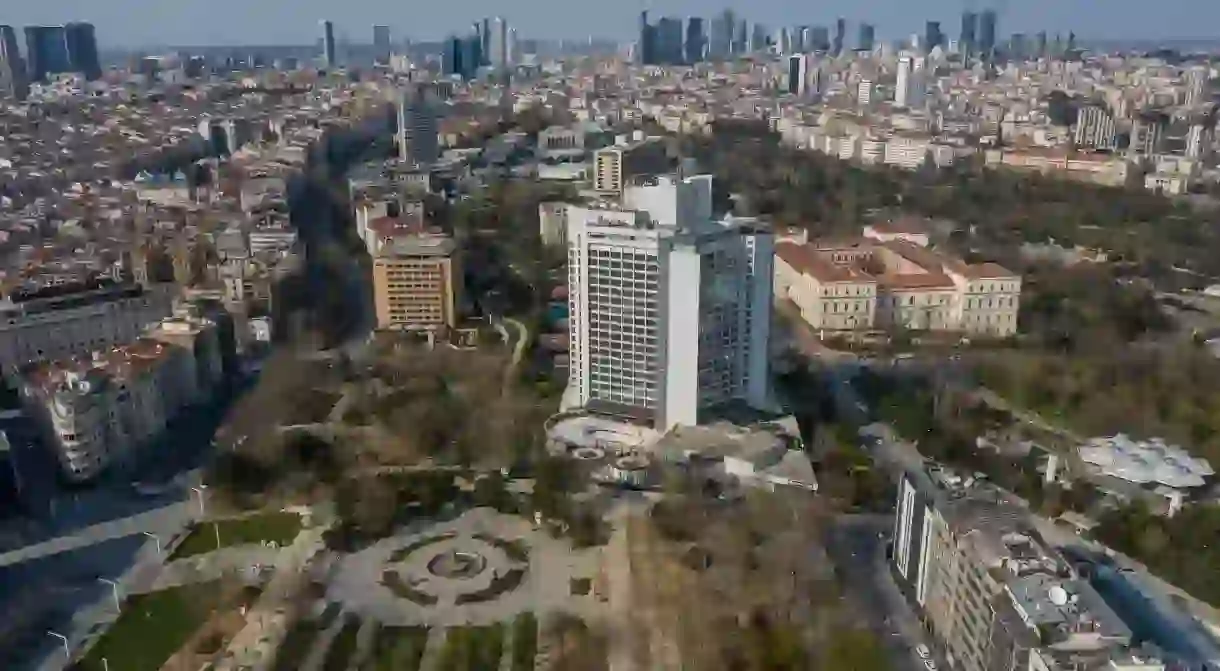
[480,568]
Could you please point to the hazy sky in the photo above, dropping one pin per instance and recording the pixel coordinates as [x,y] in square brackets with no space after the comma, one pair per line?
[197,22]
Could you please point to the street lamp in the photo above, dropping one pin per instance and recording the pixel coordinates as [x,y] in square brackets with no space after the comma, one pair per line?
[202,508]
[156,539]
[61,637]
[114,591]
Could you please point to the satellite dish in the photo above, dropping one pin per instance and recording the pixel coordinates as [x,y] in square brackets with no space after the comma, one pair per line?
[1058,596]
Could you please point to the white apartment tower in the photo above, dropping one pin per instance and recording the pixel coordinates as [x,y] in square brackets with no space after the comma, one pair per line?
[418,133]
[902,88]
[670,308]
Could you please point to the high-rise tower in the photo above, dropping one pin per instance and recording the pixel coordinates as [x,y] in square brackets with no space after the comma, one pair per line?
[328,44]
[13,78]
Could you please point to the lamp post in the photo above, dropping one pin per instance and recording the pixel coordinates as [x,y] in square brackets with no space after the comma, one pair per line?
[114,591]
[203,511]
[64,639]
[156,539]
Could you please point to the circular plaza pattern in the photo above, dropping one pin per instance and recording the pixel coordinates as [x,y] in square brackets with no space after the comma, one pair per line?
[480,568]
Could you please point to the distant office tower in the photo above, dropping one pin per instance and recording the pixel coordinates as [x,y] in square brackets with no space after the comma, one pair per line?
[646,47]
[987,33]
[804,39]
[1040,46]
[864,92]
[1148,133]
[1071,43]
[695,39]
[499,58]
[452,55]
[81,41]
[13,79]
[418,141]
[472,55]
[668,45]
[798,74]
[719,46]
[47,50]
[932,37]
[819,39]
[669,308]
[784,44]
[741,37]
[969,33]
[328,44]
[866,37]
[485,48]
[902,87]
[840,34]
[381,43]
[758,38]
[1094,128]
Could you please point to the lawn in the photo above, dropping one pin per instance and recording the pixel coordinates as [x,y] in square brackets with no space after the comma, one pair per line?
[339,656]
[398,649]
[525,642]
[472,649]
[152,628]
[300,640]
[275,526]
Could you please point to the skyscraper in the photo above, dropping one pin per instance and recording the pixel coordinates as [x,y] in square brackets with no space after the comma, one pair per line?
[840,34]
[13,79]
[721,35]
[418,142]
[987,33]
[695,39]
[669,48]
[669,307]
[498,45]
[381,43]
[969,34]
[866,37]
[1040,47]
[758,38]
[646,47]
[328,44]
[797,74]
[47,48]
[902,87]
[819,39]
[932,37]
[741,38]
[81,42]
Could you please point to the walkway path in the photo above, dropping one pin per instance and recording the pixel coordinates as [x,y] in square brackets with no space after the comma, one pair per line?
[523,337]
[165,520]
[432,651]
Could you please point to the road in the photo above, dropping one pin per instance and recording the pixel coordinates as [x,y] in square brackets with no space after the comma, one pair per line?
[857,547]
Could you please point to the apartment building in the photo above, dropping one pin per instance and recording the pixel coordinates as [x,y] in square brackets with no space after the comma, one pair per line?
[417,282]
[669,308]
[69,319]
[615,167]
[889,278]
[995,595]
[102,408]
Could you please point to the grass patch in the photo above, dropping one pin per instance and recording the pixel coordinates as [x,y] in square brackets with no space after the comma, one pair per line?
[276,526]
[153,627]
[300,640]
[339,656]
[401,589]
[398,649]
[525,642]
[472,649]
[499,585]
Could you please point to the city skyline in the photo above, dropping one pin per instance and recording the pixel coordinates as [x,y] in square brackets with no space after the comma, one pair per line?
[280,22]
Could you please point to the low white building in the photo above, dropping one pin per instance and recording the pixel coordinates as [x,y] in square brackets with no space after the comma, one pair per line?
[1154,465]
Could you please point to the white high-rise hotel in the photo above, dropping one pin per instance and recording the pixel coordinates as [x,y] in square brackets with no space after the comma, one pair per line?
[670,308]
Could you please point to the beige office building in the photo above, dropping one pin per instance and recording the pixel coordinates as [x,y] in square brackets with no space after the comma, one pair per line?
[417,283]
[614,167]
